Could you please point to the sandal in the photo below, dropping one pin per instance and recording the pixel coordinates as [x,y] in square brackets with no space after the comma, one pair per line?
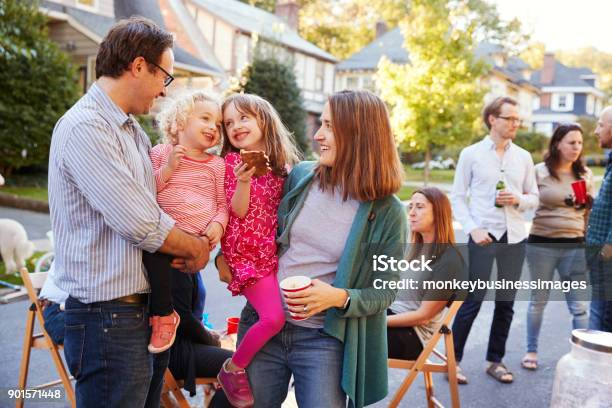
[461,378]
[529,363]
[498,371]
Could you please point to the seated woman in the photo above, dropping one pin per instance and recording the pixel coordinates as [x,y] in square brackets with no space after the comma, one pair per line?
[196,351]
[415,315]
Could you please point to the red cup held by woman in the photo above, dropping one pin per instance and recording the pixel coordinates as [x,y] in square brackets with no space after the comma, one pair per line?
[580,192]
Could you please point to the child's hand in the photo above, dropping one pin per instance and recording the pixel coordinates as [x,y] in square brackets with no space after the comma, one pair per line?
[242,174]
[176,156]
[214,232]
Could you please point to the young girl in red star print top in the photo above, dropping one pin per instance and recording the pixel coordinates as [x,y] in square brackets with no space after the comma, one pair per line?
[248,245]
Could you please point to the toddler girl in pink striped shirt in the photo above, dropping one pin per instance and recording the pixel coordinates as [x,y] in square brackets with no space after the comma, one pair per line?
[190,189]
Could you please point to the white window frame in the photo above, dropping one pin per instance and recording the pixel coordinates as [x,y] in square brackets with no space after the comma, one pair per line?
[569,102]
[354,78]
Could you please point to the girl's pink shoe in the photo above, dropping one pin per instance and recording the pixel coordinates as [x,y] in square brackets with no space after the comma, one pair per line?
[164,332]
[236,387]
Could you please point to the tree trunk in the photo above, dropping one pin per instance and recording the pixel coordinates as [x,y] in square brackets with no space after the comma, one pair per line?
[426,168]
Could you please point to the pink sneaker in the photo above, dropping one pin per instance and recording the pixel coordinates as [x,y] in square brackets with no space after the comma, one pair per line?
[164,332]
[236,387]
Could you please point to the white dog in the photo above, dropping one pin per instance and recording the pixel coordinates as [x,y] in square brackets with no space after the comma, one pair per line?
[14,245]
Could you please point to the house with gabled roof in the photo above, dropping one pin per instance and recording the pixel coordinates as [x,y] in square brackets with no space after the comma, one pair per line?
[78,26]
[508,75]
[224,33]
[567,94]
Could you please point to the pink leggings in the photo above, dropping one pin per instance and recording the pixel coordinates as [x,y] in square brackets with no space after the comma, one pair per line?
[265,297]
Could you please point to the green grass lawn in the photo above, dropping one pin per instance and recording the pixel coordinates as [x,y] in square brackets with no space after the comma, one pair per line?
[15,278]
[435,176]
[406,192]
[36,193]
[598,171]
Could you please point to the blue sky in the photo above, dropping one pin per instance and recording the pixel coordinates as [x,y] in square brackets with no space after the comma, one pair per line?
[563,24]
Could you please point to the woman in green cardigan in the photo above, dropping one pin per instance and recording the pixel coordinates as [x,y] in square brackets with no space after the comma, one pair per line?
[336,214]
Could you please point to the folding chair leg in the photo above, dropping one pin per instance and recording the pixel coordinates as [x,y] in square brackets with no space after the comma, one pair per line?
[171,387]
[25,357]
[429,391]
[452,371]
[61,369]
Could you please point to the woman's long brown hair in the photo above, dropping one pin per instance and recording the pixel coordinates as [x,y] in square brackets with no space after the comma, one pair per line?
[444,235]
[367,165]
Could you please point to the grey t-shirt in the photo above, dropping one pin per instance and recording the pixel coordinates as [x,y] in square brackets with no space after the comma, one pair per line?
[450,265]
[318,236]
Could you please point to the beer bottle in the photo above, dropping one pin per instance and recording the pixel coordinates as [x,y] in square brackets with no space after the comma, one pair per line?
[500,186]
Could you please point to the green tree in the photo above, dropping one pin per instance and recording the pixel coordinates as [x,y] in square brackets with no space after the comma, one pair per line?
[275,81]
[534,54]
[343,27]
[435,100]
[590,142]
[39,86]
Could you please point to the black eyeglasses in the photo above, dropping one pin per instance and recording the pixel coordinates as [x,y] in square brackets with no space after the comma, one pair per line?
[169,78]
[511,119]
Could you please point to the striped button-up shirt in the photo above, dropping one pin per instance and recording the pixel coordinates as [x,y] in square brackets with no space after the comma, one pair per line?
[599,231]
[102,201]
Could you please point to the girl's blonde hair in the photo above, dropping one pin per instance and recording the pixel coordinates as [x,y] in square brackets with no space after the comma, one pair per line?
[279,142]
[174,115]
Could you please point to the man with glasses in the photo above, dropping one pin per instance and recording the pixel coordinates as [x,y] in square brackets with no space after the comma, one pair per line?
[104,214]
[599,236]
[494,184]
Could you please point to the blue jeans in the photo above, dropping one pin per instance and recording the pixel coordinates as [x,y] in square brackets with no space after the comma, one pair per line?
[313,357]
[570,263]
[601,281]
[509,259]
[54,322]
[105,346]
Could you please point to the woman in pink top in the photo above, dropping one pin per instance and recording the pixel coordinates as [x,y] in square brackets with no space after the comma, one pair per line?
[249,245]
[189,189]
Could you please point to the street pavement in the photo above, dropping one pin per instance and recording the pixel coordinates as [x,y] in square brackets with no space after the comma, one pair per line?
[530,389]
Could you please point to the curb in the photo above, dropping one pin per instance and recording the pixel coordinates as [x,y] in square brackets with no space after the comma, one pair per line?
[15,201]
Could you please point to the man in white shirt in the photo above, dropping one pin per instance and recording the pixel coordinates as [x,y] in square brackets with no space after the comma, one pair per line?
[493,219]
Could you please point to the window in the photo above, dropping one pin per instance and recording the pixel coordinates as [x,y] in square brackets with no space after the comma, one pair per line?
[352,82]
[563,102]
[319,76]
[241,51]
[300,63]
[368,83]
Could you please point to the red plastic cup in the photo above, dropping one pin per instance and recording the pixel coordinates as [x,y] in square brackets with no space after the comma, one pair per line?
[580,192]
[232,324]
[294,284]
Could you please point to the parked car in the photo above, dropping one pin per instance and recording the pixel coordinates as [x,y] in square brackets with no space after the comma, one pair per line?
[437,164]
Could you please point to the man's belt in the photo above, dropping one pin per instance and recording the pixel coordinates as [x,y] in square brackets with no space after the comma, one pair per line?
[134,298]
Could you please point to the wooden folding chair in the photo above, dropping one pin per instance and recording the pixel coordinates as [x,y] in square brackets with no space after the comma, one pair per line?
[40,341]
[173,387]
[426,366]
